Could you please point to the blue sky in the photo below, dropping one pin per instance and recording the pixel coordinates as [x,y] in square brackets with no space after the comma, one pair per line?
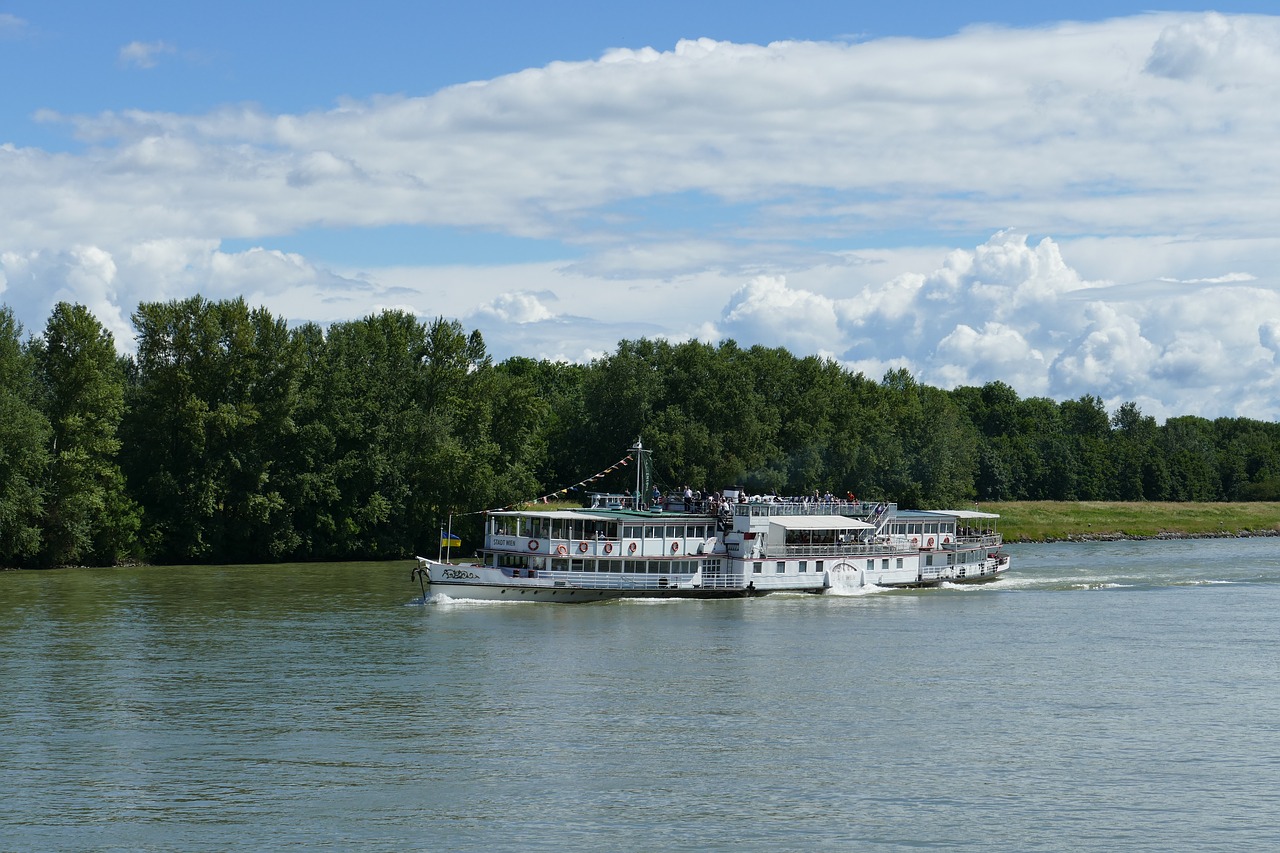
[973,191]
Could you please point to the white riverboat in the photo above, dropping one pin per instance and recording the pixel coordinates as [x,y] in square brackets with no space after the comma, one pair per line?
[728,545]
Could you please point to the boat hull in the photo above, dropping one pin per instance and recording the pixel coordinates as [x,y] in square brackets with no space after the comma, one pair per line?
[482,583]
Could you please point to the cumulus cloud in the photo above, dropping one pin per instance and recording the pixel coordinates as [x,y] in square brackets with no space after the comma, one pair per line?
[1217,49]
[519,308]
[765,309]
[140,54]
[1019,313]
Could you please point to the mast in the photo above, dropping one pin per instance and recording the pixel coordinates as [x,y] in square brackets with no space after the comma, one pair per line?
[644,472]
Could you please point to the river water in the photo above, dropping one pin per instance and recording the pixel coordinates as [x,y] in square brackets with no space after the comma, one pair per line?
[1103,696]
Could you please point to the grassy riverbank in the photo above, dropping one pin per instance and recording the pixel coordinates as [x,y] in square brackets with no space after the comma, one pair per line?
[1039,521]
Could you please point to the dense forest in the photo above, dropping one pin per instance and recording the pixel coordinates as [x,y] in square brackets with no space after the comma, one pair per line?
[229,437]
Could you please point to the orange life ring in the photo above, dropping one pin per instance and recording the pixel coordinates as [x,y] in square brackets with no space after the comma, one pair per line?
[608,547]
[561,550]
[582,547]
[631,549]
[930,545]
[533,544]
[675,547]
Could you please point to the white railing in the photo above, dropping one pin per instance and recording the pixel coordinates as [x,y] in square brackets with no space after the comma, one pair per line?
[849,509]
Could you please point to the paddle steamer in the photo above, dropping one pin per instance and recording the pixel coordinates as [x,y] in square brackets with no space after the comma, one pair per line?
[729,544]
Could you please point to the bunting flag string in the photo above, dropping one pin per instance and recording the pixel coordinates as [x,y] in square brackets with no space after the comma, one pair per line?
[621,463]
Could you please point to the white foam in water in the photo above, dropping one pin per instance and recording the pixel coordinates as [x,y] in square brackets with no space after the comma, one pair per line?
[441,600]
[846,584]
[654,600]
[973,587]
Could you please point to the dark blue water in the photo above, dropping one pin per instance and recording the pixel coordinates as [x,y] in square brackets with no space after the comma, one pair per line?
[1109,696]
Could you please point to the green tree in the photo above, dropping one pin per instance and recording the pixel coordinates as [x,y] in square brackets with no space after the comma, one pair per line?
[24,439]
[213,399]
[88,518]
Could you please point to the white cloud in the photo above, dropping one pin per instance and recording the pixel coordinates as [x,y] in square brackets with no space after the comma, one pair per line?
[11,25]
[797,193]
[139,54]
[1217,49]
[519,308]
[765,309]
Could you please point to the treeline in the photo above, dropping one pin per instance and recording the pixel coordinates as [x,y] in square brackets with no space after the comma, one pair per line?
[230,437]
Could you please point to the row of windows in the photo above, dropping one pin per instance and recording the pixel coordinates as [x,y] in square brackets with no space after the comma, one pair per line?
[918,528]
[780,567]
[668,531]
[965,557]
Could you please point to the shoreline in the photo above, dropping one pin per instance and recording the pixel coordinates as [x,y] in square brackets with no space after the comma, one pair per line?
[1141,537]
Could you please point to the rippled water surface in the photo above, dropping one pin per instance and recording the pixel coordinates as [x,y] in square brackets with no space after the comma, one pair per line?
[1103,696]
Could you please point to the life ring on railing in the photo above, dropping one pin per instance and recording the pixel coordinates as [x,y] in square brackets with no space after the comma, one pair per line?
[582,547]
[915,541]
[561,550]
[675,547]
[533,544]
[946,540]
[608,547]
[631,549]
[930,545]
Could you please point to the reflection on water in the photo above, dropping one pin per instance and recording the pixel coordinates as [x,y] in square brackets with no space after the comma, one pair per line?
[1073,705]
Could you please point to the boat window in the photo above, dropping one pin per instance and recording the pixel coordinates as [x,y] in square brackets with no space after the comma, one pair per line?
[652,532]
[928,559]
[575,565]
[884,564]
[804,566]
[899,565]
[817,567]
[560,565]
[782,567]
[655,568]
[757,568]
[674,531]
[871,565]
